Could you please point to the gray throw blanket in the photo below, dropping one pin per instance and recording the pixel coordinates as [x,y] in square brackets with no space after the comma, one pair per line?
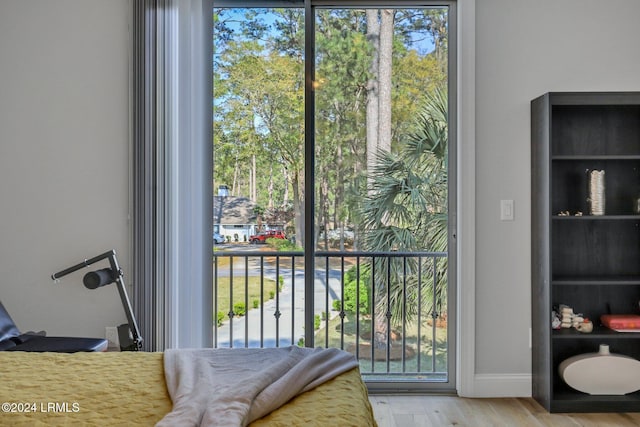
[233,387]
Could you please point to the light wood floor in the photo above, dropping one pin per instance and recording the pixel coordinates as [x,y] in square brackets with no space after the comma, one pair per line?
[437,411]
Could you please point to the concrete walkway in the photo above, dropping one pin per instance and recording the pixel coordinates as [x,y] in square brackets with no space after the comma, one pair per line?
[289,328]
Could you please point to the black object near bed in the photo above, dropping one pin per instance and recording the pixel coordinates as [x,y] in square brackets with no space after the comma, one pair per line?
[128,333]
[11,339]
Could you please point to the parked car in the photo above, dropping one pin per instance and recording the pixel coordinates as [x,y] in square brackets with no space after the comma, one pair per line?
[217,238]
[263,236]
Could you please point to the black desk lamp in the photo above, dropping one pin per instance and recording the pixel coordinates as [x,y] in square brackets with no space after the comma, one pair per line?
[106,276]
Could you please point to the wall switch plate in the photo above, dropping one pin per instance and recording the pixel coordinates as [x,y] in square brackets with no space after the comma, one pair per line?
[111,334]
[506,210]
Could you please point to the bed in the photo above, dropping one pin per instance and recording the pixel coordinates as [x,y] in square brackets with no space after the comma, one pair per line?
[129,388]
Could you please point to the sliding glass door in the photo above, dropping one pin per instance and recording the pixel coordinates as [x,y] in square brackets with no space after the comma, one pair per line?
[259,144]
[333,148]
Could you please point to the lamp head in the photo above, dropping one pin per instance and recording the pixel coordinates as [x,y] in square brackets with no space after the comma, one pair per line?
[96,279]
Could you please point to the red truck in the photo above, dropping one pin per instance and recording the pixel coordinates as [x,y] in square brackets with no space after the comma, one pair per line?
[263,236]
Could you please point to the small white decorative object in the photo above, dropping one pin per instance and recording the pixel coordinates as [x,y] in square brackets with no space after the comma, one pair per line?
[586,326]
[596,192]
[601,373]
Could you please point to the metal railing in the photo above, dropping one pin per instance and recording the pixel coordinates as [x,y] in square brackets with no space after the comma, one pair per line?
[388,309]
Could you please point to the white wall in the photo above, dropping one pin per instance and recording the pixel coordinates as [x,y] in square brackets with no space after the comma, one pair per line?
[64,153]
[523,49]
[64,131]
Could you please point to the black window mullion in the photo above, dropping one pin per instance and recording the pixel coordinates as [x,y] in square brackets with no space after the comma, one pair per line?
[309,175]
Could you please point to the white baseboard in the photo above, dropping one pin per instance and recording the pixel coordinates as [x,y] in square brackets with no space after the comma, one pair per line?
[500,385]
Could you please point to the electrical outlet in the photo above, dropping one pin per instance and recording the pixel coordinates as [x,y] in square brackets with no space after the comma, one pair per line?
[111,334]
[506,210]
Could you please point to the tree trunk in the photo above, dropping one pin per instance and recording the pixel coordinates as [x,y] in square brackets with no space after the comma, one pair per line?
[285,196]
[338,218]
[254,184]
[385,63]
[270,189]
[380,35]
[235,178]
[298,206]
[373,37]
[357,168]
[325,208]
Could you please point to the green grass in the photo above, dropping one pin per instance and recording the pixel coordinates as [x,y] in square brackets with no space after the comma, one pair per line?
[253,287]
[335,326]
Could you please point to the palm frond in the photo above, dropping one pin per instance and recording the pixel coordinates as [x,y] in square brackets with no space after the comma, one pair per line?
[405,209]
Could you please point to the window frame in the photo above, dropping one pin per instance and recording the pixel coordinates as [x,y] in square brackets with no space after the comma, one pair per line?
[309,249]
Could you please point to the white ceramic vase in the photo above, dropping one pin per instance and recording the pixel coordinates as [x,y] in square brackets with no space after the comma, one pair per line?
[601,372]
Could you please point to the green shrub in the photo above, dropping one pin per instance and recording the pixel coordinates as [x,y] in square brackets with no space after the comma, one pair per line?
[256,303]
[220,317]
[316,322]
[239,309]
[351,290]
[272,294]
[283,245]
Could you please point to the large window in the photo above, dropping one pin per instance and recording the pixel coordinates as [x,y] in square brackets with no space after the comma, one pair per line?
[332,152]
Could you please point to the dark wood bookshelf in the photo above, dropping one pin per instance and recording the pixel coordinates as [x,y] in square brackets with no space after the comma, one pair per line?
[588,262]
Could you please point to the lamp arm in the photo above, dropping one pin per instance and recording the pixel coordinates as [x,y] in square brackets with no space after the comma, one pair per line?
[126,304]
[85,263]
[135,332]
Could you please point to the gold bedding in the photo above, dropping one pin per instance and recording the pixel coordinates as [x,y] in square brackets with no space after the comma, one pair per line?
[128,388]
